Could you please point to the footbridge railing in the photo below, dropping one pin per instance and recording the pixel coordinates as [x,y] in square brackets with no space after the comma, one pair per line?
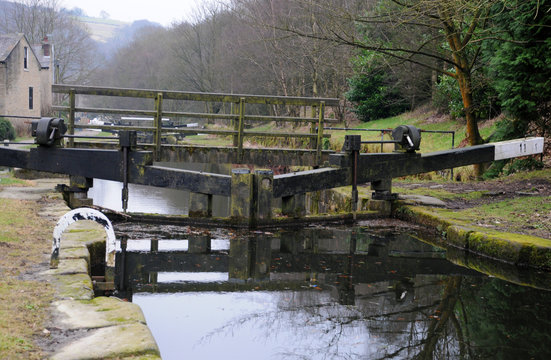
[230,117]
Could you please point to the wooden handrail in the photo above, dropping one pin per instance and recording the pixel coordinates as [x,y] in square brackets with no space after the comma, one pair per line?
[236,118]
[193,96]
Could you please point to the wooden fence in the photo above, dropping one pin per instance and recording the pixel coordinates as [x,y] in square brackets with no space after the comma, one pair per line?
[234,120]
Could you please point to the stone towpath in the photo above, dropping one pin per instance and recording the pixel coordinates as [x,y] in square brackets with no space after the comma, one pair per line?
[81,326]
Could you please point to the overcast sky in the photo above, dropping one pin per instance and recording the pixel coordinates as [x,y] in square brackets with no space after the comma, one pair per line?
[163,12]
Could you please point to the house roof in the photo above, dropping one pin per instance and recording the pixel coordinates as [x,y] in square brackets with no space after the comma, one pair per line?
[43,60]
[7,44]
[9,41]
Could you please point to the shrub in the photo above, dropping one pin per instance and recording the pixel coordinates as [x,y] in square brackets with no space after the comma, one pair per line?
[6,130]
[374,96]
[447,98]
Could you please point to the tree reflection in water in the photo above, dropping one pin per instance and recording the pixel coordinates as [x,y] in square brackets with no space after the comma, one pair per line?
[375,298]
[472,319]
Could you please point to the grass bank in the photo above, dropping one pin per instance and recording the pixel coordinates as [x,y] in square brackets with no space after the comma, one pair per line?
[23,299]
[519,203]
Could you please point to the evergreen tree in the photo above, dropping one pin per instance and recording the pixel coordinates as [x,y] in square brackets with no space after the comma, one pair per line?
[375,96]
[521,65]
[7,132]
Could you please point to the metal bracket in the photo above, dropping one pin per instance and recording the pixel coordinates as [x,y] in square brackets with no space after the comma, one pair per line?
[407,137]
[352,143]
[48,131]
[127,141]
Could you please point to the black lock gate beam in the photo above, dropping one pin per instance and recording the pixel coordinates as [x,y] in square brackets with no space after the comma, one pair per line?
[107,165]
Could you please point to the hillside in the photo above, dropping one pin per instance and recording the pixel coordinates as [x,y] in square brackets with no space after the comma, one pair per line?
[102,30]
[112,35]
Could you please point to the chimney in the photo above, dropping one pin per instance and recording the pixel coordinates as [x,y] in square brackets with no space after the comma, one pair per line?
[46,47]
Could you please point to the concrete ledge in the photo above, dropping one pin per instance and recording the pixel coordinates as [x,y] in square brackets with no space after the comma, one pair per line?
[421,200]
[82,233]
[77,252]
[70,267]
[521,250]
[112,342]
[423,216]
[113,328]
[96,313]
[73,287]
[458,236]
[382,207]
[494,246]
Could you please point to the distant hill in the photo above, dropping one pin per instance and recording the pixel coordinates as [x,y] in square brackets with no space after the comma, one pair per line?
[108,33]
[113,34]
[103,30]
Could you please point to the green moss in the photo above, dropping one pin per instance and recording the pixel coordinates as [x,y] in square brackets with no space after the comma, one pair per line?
[494,247]
[439,193]
[147,356]
[76,231]
[508,247]
[83,233]
[75,286]
[440,219]
[458,236]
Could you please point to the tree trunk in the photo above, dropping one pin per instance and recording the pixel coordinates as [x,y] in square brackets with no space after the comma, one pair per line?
[473,135]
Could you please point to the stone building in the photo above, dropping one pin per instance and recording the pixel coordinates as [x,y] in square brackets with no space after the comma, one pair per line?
[26,76]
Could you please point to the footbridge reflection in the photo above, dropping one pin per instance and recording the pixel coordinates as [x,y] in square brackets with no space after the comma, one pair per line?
[347,263]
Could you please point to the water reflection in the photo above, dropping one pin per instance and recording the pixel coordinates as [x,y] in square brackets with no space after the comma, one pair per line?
[154,200]
[144,199]
[327,294]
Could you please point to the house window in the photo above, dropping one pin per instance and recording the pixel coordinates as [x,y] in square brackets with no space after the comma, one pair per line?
[30,98]
[26,58]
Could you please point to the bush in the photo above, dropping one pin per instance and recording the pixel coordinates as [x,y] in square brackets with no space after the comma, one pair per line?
[527,164]
[7,132]
[374,96]
[447,97]
[511,166]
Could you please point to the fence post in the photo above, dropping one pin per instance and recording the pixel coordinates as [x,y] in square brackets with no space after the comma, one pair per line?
[241,199]
[313,142]
[158,123]
[453,145]
[71,127]
[319,143]
[241,126]
[235,123]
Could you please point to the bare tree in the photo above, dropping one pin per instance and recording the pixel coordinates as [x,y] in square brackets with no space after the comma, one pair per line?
[75,54]
[34,18]
[299,66]
[456,29]
[198,50]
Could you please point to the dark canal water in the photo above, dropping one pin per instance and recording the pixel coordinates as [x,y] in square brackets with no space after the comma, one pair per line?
[328,293]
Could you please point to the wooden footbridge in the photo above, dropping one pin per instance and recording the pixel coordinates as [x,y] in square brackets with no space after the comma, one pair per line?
[133,156]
